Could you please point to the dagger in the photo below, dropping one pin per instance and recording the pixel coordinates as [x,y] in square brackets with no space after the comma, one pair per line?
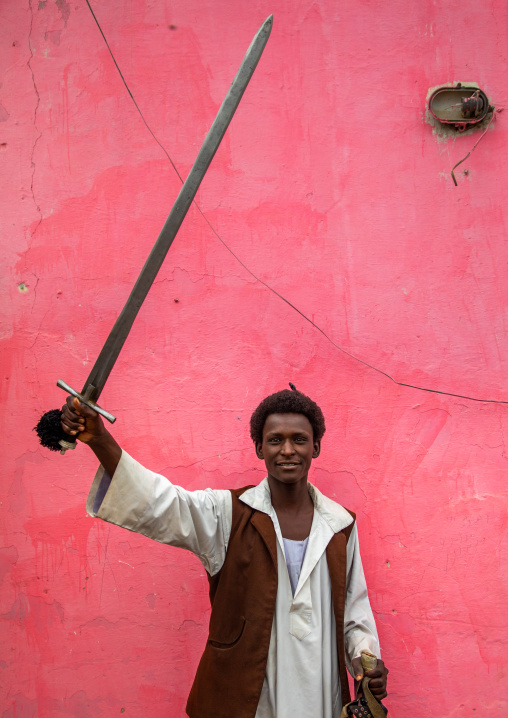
[50,433]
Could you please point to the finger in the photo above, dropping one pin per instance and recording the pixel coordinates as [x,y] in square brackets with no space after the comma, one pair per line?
[69,414]
[68,408]
[377,684]
[68,430]
[380,695]
[82,409]
[378,692]
[69,418]
[70,427]
[374,673]
[357,668]
[379,668]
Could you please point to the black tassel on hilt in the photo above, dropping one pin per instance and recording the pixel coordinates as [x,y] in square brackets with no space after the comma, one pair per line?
[50,432]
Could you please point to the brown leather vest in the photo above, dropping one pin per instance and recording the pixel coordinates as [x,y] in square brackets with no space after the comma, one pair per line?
[232,669]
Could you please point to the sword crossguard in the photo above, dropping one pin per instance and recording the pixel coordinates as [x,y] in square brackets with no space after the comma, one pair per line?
[49,429]
[86,400]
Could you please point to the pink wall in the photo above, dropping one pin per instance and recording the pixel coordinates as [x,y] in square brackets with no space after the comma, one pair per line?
[333,191]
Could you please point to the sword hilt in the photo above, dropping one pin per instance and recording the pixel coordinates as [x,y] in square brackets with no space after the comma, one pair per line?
[49,429]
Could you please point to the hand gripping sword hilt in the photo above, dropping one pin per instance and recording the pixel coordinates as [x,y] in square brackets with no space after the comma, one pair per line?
[49,429]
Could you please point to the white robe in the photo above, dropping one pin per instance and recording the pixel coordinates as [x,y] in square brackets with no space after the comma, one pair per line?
[302,676]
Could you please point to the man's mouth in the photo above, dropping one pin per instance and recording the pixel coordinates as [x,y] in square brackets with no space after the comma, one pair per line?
[288,463]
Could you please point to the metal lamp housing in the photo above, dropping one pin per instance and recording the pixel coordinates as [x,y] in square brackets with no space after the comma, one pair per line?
[460,106]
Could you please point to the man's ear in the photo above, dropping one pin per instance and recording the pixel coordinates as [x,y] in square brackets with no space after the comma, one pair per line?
[259,450]
[317,449]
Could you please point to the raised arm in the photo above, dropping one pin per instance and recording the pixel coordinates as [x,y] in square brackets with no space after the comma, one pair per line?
[127,494]
[87,426]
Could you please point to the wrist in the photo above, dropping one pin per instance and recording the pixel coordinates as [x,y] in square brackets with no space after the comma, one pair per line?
[107,450]
[102,442]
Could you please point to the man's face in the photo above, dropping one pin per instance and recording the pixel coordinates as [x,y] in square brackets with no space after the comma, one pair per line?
[288,447]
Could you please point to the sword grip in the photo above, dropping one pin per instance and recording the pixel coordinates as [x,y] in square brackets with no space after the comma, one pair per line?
[84,399]
[49,429]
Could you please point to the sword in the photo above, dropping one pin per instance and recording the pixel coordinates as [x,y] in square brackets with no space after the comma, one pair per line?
[50,433]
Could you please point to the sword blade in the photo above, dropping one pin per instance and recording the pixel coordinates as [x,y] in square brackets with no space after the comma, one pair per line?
[116,339]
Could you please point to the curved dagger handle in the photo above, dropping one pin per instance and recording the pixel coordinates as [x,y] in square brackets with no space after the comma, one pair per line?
[50,433]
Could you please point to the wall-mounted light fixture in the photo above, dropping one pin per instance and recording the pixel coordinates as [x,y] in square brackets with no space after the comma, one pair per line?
[460,106]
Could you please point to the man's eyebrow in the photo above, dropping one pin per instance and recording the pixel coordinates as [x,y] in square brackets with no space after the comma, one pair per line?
[300,432]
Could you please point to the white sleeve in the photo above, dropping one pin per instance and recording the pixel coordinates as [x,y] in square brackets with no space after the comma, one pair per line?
[140,500]
[360,633]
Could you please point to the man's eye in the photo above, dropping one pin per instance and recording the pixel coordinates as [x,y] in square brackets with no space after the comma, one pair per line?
[300,439]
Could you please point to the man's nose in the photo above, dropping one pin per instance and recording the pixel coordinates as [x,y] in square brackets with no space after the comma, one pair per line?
[287,448]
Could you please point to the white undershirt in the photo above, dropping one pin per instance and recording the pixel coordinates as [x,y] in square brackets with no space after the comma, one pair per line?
[295,553]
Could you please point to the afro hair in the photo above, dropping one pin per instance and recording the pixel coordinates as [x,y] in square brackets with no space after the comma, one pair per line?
[287,402]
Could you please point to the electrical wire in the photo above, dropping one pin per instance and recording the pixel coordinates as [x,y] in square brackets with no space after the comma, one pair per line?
[271,289]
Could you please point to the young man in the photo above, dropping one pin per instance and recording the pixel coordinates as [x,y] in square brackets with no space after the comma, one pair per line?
[290,610]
